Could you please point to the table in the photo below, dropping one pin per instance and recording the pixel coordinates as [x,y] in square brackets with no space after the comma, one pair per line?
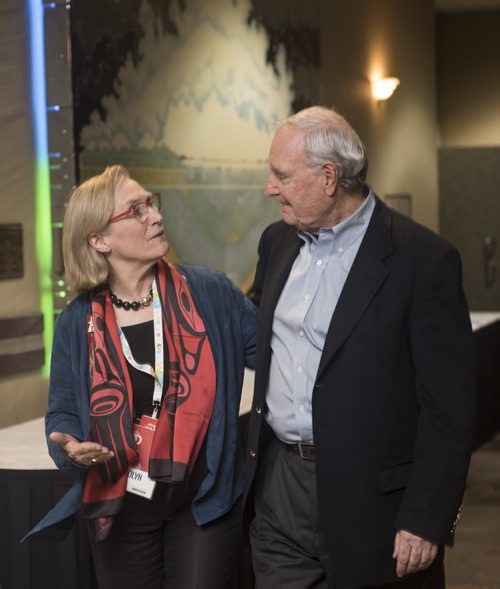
[487,348]
[29,487]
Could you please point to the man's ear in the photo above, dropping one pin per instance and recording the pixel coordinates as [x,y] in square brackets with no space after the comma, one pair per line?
[99,243]
[331,177]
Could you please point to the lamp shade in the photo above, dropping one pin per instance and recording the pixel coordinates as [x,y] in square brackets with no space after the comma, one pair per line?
[383,88]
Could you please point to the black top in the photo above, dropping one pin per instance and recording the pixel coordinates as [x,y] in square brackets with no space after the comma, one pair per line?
[140,338]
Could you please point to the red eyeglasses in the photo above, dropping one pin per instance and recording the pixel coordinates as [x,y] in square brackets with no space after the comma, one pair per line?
[140,210]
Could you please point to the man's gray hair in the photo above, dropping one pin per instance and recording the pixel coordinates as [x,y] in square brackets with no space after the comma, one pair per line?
[329,137]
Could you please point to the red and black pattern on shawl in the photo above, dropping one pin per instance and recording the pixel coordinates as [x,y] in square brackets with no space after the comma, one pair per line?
[190,396]
[185,411]
[111,404]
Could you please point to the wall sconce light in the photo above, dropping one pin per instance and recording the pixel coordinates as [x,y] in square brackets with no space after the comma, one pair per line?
[383,88]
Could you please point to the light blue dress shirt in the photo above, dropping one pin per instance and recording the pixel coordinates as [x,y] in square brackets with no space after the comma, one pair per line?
[302,318]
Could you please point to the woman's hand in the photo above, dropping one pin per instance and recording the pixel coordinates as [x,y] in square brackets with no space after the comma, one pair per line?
[83,453]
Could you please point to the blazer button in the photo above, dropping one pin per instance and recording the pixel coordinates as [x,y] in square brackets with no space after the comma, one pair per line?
[253,453]
[457,519]
[258,410]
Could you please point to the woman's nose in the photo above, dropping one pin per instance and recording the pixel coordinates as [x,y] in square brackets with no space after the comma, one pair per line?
[155,215]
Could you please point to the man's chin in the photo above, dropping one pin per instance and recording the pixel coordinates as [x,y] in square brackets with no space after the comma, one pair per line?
[288,218]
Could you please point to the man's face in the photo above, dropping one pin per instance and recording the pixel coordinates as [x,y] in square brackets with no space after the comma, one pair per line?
[300,190]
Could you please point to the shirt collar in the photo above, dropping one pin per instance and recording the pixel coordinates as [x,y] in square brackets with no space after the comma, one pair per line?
[347,231]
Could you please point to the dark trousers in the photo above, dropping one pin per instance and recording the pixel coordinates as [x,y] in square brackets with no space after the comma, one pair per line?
[155,545]
[288,547]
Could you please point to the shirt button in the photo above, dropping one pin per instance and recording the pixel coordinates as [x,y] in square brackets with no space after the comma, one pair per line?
[300,369]
[253,453]
[318,263]
[340,250]
[258,410]
[301,333]
[307,297]
[302,408]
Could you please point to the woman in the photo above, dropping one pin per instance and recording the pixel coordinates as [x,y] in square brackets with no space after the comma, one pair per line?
[146,375]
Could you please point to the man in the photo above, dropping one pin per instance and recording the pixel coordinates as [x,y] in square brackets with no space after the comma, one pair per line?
[364,380]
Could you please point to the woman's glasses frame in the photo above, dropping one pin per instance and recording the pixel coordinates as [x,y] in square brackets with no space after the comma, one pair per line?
[140,210]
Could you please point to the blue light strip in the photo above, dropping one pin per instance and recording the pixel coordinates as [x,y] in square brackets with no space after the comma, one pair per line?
[43,216]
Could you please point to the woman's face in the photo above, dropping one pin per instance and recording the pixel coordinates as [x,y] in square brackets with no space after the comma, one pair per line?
[127,239]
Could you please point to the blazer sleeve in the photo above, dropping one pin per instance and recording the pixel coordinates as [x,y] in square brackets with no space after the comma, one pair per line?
[63,413]
[442,350]
[247,318]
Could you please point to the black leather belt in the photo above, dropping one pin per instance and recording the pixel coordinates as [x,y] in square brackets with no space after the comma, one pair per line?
[303,449]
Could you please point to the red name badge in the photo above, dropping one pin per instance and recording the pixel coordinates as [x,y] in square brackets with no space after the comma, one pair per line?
[138,481]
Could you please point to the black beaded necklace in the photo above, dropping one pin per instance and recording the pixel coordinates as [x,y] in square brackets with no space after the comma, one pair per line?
[134,305]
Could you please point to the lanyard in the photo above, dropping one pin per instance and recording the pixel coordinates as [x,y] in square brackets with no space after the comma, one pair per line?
[159,370]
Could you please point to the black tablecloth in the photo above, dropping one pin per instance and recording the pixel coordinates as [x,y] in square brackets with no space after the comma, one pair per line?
[487,344]
[25,497]
[45,564]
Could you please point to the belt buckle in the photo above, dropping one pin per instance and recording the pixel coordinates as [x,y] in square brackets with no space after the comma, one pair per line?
[306,450]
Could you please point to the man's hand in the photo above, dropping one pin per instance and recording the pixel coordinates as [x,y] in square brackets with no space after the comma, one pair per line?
[412,553]
[83,453]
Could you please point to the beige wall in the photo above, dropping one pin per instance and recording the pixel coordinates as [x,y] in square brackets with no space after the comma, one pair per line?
[21,397]
[395,37]
[468,50]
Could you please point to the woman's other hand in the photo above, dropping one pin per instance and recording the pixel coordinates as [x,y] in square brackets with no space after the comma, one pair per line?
[83,453]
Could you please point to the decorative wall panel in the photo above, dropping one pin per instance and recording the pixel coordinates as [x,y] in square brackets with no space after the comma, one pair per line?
[185,95]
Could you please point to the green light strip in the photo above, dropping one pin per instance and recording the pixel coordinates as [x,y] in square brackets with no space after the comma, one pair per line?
[43,241]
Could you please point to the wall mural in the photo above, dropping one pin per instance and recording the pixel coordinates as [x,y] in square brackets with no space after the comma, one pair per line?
[185,93]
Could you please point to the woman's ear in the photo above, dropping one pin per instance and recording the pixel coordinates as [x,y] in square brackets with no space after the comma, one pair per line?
[99,243]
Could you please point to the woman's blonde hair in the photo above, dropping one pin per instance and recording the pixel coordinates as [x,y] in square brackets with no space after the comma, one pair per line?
[88,211]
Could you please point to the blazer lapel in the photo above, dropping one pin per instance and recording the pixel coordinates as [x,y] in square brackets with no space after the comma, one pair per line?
[367,274]
[276,276]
